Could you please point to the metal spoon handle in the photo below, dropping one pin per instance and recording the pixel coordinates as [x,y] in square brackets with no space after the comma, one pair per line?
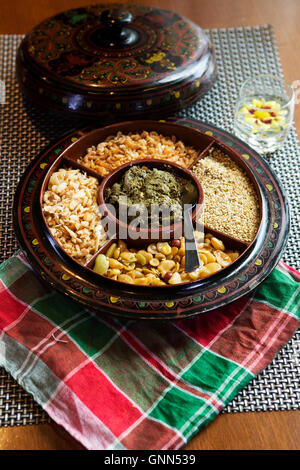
[192,260]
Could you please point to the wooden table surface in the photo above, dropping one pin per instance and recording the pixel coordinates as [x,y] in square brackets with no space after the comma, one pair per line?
[242,431]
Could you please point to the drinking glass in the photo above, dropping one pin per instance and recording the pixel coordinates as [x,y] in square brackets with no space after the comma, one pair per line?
[264,112]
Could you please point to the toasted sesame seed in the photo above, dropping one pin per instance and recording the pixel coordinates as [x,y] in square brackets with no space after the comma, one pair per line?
[231,202]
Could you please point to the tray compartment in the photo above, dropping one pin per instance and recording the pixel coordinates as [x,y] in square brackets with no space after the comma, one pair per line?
[241,163]
[201,142]
[231,244]
[61,162]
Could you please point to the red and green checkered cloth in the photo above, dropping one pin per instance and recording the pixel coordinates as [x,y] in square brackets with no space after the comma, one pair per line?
[116,384]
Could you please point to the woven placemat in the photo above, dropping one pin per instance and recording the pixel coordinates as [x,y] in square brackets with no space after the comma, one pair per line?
[240,53]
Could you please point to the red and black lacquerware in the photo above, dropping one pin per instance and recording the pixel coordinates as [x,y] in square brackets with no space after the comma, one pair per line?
[115,62]
[144,302]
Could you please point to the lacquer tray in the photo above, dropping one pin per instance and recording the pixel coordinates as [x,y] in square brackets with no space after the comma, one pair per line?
[110,297]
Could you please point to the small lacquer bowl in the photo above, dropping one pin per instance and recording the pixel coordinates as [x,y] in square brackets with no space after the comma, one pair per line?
[140,236]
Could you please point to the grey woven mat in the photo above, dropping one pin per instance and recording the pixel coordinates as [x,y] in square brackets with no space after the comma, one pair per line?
[24,131]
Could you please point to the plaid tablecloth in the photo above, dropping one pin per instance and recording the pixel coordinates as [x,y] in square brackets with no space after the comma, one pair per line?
[132,384]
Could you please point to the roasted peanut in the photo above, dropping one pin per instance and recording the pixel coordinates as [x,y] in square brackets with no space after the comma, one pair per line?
[222,258]
[213,267]
[175,279]
[128,257]
[141,258]
[176,243]
[166,265]
[217,244]
[154,262]
[168,276]
[152,249]
[110,250]
[122,245]
[116,253]
[233,255]
[125,278]
[209,256]
[115,264]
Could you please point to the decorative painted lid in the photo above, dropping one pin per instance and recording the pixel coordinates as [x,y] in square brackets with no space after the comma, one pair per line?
[110,55]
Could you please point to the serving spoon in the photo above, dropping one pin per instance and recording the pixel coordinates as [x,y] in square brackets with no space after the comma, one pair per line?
[192,260]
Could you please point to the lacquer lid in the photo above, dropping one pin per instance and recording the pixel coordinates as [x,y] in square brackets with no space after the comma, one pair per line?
[115,60]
